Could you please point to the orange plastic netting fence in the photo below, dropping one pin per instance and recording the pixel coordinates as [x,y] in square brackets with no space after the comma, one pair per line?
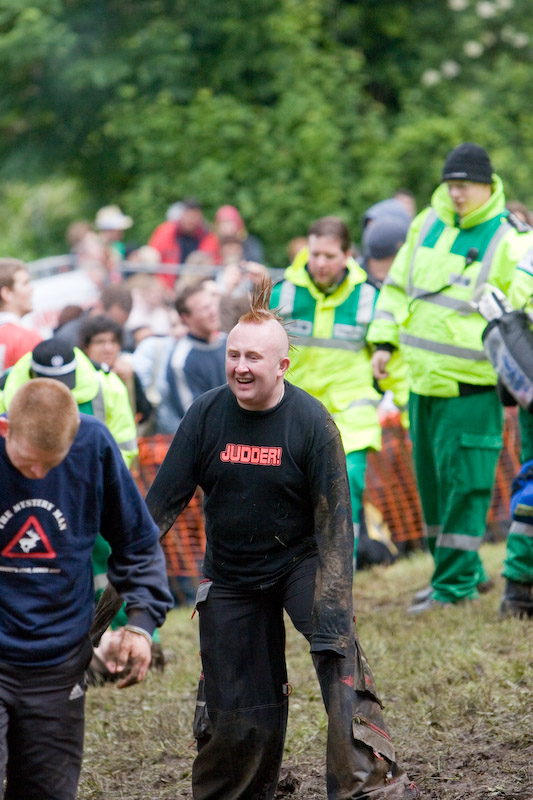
[184,544]
[390,486]
[391,483]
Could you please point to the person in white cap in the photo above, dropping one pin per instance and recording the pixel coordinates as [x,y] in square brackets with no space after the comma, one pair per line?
[104,252]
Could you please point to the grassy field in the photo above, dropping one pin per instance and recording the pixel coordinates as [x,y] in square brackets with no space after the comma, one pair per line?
[457,685]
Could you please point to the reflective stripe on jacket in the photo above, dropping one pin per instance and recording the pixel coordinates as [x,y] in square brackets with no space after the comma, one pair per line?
[424,306]
[99,393]
[331,359]
[521,292]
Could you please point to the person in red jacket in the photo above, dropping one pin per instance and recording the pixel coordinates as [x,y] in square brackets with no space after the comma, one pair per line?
[15,301]
[177,239]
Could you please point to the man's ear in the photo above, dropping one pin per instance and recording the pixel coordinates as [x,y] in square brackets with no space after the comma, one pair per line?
[284,364]
[4,296]
[4,427]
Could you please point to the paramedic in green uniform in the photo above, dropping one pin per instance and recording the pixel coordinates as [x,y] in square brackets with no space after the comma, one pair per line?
[328,303]
[464,239]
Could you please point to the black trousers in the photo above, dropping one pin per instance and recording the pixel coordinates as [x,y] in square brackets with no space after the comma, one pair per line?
[41,728]
[241,715]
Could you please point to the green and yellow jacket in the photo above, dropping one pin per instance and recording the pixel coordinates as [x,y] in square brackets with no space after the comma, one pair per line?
[424,306]
[521,291]
[330,358]
[97,392]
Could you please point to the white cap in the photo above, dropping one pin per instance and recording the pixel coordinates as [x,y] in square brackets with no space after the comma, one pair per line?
[111,218]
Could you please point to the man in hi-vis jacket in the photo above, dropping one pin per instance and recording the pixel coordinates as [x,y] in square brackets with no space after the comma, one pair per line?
[465,239]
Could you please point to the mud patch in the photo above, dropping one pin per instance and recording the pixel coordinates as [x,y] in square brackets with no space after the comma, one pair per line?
[478,771]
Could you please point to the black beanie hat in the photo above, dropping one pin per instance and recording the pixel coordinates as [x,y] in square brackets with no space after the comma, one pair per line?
[468,162]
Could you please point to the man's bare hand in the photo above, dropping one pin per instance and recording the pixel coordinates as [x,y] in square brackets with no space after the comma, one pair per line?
[380,359]
[255,271]
[133,653]
[124,369]
[232,277]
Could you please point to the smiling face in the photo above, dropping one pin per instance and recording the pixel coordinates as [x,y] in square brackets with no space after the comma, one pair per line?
[327,260]
[468,196]
[256,362]
[202,317]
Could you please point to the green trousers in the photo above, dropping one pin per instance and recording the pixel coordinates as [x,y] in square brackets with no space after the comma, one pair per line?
[100,554]
[518,565]
[456,443]
[356,468]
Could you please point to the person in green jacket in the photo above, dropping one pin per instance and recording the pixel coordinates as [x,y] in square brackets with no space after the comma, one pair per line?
[328,304]
[97,391]
[465,239]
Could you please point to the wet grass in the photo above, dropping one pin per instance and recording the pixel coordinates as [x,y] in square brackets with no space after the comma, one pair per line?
[457,684]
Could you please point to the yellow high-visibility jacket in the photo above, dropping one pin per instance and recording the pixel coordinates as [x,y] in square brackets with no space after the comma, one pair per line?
[331,357]
[424,305]
[97,392]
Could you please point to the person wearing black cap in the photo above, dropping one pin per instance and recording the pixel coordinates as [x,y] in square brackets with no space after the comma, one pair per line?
[50,360]
[97,391]
[465,239]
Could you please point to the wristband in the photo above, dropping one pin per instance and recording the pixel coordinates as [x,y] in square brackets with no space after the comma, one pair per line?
[140,631]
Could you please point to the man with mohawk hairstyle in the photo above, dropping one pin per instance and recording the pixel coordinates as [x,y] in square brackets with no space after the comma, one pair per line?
[279,538]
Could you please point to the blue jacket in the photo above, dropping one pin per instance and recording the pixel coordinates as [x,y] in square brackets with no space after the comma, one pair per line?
[194,367]
[47,532]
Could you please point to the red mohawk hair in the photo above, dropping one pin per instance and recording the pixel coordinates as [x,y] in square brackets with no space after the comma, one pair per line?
[260,310]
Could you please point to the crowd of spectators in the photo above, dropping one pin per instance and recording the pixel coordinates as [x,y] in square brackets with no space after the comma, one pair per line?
[395,313]
[165,306]
[144,290]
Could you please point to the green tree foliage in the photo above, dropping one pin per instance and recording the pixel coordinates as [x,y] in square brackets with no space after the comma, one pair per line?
[289,109]
[34,217]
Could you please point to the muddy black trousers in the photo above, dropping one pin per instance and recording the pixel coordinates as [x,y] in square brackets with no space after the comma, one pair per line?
[41,728]
[242,708]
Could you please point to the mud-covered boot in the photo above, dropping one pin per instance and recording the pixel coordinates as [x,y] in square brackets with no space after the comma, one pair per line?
[517,599]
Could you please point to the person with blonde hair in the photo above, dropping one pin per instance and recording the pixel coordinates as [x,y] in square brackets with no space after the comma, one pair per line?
[63,480]
[47,419]
[270,462]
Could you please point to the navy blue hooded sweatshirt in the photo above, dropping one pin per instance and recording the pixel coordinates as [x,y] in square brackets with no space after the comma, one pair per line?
[47,533]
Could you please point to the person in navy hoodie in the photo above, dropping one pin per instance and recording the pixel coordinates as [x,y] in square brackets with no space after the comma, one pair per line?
[63,480]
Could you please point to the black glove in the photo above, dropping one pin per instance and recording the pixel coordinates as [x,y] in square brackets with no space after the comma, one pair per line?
[504,395]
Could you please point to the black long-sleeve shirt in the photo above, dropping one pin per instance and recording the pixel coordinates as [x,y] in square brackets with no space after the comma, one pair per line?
[275,489]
